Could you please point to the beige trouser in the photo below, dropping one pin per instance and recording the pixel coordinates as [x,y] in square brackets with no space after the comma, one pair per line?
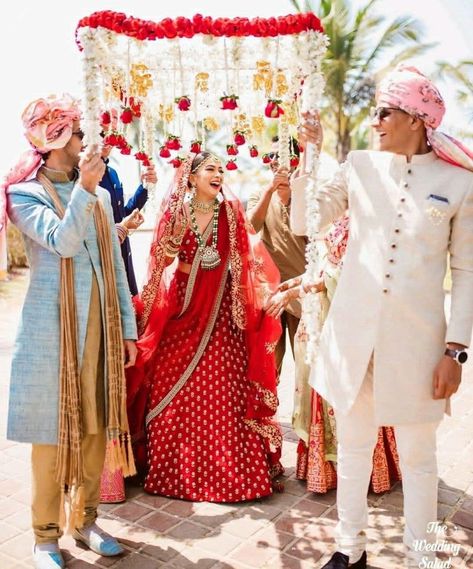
[290,323]
[46,492]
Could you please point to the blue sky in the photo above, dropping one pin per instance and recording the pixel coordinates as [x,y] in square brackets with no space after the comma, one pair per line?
[39,55]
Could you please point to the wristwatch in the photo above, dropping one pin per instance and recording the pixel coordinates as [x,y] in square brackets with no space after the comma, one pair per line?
[460,356]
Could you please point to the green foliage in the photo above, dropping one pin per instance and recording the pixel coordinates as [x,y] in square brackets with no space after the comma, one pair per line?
[359,41]
[462,75]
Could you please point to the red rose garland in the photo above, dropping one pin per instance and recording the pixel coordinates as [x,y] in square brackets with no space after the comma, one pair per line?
[186,28]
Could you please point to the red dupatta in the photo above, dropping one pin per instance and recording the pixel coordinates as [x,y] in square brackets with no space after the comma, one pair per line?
[254,277]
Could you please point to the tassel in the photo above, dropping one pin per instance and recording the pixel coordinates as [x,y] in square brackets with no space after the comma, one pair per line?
[131,467]
[77,508]
[62,509]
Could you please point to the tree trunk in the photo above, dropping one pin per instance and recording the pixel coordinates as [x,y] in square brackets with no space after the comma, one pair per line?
[343,146]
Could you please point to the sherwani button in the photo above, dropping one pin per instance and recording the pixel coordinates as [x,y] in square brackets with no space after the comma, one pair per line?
[388,275]
[406,185]
[403,200]
[391,260]
[399,214]
[385,290]
[397,230]
[393,245]
[409,171]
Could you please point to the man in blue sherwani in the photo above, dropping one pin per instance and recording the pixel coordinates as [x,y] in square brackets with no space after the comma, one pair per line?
[126,215]
[77,330]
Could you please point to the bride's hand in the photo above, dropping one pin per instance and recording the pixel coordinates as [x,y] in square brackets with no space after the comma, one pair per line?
[180,226]
[315,287]
[290,283]
[280,299]
[278,302]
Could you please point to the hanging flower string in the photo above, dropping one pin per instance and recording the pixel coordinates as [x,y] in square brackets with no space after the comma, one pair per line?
[144,82]
[93,52]
[311,56]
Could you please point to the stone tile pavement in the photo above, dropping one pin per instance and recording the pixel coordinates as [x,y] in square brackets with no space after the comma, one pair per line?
[292,530]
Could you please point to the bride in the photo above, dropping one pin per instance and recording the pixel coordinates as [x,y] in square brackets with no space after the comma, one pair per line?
[202,396]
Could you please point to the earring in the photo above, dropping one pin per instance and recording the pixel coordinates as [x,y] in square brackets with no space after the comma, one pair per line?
[193,189]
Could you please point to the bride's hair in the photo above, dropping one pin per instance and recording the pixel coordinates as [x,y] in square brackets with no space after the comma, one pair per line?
[200,159]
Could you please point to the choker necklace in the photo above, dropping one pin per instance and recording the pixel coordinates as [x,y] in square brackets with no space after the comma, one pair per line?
[203,207]
[210,255]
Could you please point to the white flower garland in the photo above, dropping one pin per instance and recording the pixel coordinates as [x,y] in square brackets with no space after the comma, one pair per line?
[312,50]
[283,143]
[148,143]
[94,52]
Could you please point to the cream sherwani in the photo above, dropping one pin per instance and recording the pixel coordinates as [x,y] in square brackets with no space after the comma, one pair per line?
[404,220]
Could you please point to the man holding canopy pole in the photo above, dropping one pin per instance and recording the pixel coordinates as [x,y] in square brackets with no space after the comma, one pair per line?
[410,207]
[77,330]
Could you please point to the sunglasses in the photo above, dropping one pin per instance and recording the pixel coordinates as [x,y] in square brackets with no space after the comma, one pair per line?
[380,113]
[79,134]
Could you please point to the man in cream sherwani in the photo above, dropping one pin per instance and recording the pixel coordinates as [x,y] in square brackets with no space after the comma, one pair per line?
[387,356]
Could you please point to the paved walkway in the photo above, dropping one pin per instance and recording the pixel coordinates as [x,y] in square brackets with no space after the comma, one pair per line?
[292,530]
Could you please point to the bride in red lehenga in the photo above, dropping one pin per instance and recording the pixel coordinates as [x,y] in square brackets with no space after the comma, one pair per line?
[202,395]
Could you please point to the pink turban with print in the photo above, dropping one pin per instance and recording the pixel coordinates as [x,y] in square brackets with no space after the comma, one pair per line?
[408,89]
[48,126]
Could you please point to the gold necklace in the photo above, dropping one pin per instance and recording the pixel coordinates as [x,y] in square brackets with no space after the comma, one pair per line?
[203,207]
[210,255]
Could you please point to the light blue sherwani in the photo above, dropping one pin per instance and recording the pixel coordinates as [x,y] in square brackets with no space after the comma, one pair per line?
[34,386]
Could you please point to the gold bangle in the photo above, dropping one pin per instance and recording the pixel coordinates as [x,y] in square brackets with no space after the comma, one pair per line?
[171,249]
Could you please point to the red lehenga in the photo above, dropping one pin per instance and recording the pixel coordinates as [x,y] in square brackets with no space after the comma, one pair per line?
[314,418]
[203,393]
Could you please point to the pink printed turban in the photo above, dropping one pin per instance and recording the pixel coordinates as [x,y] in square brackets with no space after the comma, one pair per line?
[408,89]
[48,122]
[48,126]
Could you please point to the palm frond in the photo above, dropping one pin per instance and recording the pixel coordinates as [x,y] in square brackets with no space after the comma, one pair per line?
[296,5]
[400,30]
[357,40]
[405,54]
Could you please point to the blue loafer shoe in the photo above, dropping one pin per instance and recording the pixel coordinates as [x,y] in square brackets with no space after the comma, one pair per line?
[98,541]
[48,556]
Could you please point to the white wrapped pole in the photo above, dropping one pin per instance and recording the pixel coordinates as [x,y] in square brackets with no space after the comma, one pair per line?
[311,94]
[93,53]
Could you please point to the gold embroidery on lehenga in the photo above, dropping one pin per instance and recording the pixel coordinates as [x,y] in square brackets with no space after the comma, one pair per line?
[270,347]
[238,301]
[166,400]
[268,398]
[269,431]
[257,265]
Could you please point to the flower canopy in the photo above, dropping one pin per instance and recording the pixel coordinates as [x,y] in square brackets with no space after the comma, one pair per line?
[186,78]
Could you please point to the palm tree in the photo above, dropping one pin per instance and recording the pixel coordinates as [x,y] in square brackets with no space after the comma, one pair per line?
[462,74]
[358,41]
